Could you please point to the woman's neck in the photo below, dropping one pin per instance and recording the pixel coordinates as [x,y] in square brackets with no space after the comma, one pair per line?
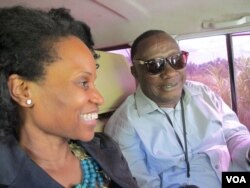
[54,156]
[43,147]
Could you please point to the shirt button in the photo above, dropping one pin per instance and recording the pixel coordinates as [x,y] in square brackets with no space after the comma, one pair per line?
[217,166]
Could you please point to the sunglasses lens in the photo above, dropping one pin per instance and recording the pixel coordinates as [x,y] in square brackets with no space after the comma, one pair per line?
[178,61]
[155,66]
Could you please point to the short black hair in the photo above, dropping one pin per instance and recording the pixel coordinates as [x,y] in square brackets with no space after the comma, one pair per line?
[140,38]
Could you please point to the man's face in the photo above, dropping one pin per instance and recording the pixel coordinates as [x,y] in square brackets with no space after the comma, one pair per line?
[166,87]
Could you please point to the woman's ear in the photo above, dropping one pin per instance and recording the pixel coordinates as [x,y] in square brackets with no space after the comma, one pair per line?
[19,90]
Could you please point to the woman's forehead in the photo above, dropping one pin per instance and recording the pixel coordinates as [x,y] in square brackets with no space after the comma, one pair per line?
[73,55]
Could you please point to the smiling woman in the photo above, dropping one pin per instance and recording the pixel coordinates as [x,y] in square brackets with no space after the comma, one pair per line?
[49,107]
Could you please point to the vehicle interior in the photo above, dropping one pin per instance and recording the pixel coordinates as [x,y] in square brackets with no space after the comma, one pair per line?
[115,24]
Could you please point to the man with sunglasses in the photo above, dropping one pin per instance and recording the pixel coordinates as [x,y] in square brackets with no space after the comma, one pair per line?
[174,132]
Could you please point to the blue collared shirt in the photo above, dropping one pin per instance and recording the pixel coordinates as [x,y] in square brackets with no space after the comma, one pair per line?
[216,140]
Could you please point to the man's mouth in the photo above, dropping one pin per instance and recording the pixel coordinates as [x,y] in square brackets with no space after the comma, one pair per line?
[169,86]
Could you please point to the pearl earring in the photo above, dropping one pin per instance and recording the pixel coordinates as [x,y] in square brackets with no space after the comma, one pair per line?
[29,102]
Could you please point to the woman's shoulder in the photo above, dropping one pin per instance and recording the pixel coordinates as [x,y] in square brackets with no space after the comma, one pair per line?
[11,159]
[8,143]
[102,141]
[109,156]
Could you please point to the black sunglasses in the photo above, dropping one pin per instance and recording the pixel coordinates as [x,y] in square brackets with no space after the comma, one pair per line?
[158,65]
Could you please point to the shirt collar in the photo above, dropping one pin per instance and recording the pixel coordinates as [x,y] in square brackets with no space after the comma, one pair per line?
[190,90]
[145,105]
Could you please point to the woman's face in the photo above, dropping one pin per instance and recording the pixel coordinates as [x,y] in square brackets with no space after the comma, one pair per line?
[65,103]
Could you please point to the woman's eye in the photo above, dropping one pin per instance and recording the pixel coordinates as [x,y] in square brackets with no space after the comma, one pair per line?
[85,84]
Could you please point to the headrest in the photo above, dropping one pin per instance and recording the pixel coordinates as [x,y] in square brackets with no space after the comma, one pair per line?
[114,80]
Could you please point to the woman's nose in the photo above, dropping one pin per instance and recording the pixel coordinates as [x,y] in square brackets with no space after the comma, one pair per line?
[97,98]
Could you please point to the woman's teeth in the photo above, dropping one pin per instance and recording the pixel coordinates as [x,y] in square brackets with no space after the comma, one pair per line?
[89,117]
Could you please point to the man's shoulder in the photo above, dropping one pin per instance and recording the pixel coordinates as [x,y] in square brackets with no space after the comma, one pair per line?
[125,106]
[194,84]
[195,87]
[128,101]
[122,117]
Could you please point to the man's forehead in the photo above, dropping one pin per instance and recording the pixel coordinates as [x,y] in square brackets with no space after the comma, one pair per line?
[156,44]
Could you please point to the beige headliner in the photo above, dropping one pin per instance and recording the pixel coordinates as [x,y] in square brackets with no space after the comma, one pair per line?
[117,22]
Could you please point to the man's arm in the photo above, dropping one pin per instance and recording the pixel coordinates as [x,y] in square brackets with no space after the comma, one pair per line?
[130,144]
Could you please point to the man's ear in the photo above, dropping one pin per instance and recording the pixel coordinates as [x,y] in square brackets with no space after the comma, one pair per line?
[19,90]
[133,71]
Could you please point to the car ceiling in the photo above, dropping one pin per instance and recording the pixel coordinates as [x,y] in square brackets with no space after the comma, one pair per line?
[119,22]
